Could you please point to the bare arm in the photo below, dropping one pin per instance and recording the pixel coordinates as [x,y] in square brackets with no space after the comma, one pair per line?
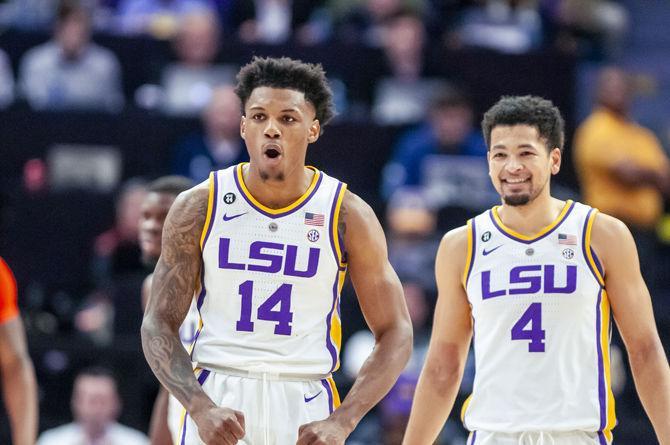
[18,382]
[174,283]
[452,330]
[382,302]
[159,432]
[381,299]
[632,309]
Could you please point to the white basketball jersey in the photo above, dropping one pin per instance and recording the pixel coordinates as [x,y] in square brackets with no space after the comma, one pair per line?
[541,327]
[271,279]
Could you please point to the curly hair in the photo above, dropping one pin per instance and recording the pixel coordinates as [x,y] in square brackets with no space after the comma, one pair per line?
[283,72]
[526,110]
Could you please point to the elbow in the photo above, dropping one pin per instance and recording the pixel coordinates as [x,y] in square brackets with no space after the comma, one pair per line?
[645,352]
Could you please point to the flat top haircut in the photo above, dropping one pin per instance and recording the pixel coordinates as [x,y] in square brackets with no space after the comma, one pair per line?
[172,185]
[291,74]
[527,110]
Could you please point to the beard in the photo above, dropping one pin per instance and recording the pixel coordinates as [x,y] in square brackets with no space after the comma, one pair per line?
[516,200]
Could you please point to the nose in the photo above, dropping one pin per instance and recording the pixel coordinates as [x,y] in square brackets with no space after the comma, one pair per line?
[272,129]
[513,164]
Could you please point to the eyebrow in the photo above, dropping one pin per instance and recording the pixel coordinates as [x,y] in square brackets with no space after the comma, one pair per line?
[502,147]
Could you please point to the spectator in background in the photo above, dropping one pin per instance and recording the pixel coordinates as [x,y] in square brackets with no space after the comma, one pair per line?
[449,129]
[622,167]
[403,94]
[6,81]
[19,388]
[69,71]
[95,407]
[157,18]
[507,26]
[219,146]
[189,82]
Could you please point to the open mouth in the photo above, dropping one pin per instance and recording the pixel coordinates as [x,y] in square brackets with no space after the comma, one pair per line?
[272,153]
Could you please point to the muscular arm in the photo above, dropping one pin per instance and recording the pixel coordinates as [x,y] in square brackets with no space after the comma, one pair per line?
[382,302]
[632,309]
[452,329]
[18,382]
[174,282]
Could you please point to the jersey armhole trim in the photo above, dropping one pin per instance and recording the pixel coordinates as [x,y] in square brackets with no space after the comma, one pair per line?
[336,243]
[470,253]
[589,254]
[211,210]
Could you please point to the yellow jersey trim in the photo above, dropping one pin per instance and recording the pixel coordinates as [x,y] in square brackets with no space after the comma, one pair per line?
[250,197]
[587,248]
[549,228]
[468,255]
[335,232]
[210,208]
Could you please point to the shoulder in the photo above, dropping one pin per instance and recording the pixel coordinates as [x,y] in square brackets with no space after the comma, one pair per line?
[454,244]
[41,54]
[611,238]
[355,207]
[192,200]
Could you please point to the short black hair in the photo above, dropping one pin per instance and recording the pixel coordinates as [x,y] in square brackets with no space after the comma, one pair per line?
[526,110]
[172,185]
[291,74]
[97,371]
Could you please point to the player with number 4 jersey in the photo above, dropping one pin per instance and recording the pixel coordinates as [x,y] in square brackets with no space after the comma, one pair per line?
[535,283]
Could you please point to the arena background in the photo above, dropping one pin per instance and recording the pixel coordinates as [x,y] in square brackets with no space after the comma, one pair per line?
[47,233]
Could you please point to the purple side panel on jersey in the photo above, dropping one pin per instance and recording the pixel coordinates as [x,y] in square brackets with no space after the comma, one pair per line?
[509,235]
[586,257]
[277,215]
[201,379]
[597,261]
[474,437]
[325,384]
[329,343]
[601,376]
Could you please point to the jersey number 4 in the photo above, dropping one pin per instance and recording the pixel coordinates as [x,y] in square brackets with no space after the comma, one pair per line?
[267,310]
[534,333]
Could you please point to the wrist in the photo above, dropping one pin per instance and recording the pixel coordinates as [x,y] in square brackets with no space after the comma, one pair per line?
[200,404]
[344,420]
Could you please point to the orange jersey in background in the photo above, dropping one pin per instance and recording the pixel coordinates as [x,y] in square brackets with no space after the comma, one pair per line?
[8,307]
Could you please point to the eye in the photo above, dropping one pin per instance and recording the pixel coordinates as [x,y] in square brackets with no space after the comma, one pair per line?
[258,116]
[289,119]
[527,153]
[499,155]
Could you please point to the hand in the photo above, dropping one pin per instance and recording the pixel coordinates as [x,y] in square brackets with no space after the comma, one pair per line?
[322,432]
[220,426]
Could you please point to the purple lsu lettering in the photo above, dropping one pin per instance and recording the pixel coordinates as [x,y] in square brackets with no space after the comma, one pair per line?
[531,280]
[270,258]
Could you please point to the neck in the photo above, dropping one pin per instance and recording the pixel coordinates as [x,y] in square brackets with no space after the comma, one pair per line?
[278,194]
[531,218]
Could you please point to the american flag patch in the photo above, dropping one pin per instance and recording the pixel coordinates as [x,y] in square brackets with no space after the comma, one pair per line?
[314,219]
[564,238]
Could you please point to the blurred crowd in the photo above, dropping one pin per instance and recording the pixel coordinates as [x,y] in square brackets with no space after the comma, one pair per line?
[435,175]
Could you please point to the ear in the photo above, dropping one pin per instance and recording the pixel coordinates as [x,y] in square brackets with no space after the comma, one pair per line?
[314,131]
[555,157]
[243,126]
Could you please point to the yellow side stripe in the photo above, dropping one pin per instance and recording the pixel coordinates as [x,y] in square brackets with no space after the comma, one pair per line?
[336,395]
[605,346]
[587,248]
[468,255]
[465,407]
[336,218]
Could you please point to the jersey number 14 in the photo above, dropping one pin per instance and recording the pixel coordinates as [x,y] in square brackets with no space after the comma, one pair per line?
[268,310]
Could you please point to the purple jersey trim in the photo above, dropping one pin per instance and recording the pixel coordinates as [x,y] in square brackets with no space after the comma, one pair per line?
[472,253]
[530,241]
[474,437]
[338,260]
[276,215]
[601,438]
[326,385]
[601,376]
[212,216]
[201,379]
[329,344]
[584,252]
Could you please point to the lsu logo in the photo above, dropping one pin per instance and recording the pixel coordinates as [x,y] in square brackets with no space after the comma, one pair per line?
[527,280]
[270,258]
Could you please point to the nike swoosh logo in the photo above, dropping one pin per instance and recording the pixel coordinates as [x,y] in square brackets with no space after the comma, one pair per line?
[309,399]
[486,252]
[228,218]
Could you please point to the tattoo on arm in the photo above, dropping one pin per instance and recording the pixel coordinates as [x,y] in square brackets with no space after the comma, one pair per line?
[173,287]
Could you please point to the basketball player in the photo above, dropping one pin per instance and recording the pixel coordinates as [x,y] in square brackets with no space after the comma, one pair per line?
[161,193]
[533,282]
[19,387]
[266,246]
